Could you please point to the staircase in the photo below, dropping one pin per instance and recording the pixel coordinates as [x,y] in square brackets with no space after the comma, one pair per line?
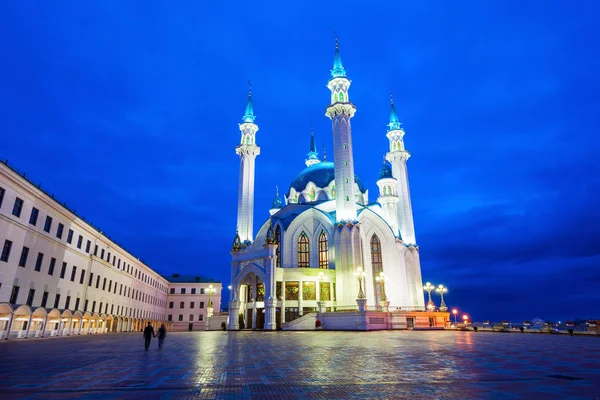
[304,323]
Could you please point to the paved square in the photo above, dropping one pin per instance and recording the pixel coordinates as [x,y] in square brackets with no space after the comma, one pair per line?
[304,365]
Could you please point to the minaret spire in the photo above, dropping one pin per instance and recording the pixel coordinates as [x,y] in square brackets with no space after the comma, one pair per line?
[313,156]
[338,68]
[247,150]
[397,156]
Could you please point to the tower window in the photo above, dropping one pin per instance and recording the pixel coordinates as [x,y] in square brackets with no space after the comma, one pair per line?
[345,162]
[303,251]
[342,97]
[347,198]
[377,265]
[345,145]
[278,250]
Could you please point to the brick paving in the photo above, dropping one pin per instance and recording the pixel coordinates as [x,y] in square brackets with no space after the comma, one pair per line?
[304,365]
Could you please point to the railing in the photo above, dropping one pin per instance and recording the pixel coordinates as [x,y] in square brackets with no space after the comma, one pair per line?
[345,308]
[532,327]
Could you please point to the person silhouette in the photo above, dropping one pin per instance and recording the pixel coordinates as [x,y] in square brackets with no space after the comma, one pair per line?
[162,334]
[148,334]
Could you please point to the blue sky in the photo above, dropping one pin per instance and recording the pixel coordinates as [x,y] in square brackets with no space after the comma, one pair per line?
[129,113]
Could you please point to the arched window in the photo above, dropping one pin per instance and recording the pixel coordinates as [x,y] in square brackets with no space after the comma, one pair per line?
[278,251]
[303,251]
[341,97]
[323,251]
[377,265]
[347,198]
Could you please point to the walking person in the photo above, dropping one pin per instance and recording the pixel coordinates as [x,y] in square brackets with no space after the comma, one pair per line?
[162,334]
[148,335]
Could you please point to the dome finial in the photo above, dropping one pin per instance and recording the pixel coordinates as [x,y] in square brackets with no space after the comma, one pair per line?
[276,205]
[313,156]
[249,114]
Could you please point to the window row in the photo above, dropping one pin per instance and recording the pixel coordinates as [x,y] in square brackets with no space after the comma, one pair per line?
[183,291]
[190,318]
[60,229]
[182,304]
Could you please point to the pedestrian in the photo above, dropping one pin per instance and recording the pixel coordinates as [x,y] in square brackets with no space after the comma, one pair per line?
[148,334]
[162,334]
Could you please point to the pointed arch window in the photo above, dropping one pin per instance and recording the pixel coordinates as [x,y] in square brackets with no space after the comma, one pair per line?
[376,265]
[303,251]
[341,97]
[323,251]
[278,251]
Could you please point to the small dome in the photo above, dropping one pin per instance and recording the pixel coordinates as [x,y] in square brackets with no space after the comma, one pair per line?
[321,174]
[385,171]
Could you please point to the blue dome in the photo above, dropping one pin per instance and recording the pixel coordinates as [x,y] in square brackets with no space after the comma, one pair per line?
[321,174]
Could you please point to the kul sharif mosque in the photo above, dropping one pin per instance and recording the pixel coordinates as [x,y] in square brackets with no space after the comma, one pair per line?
[326,245]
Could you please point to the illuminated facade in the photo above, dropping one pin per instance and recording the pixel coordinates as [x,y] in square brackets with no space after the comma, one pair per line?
[59,275]
[306,255]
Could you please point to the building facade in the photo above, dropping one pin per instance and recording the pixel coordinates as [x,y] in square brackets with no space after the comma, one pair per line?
[326,245]
[191,301]
[59,275]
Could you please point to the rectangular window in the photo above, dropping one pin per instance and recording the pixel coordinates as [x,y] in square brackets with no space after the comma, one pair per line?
[24,255]
[94,306]
[170,304]
[14,295]
[182,304]
[108,257]
[96,250]
[18,207]
[91,279]
[34,216]
[104,284]
[38,262]
[191,317]
[51,266]
[85,304]
[59,230]
[77,304]
[30,297]
[191,304]
[48,224]
[6,251]
[121,290]
[182,290]
[180,317]
[44,299]
[109,285]
[172,291]
[73,273]
[56,300]
[170,317]
[63,270]
[67,301]
[201,304]
[114,259]
[2,191]
[201,290]
[102,254]
[200,317]
[193,290]
[87,246]
[79,241]
[291,290]
[112,308]
[119,264]
[70,236]
[82,277]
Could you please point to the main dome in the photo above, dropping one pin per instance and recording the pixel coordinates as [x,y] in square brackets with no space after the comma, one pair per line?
[321,174]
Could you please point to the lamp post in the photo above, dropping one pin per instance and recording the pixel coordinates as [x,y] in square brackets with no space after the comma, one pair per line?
[466,319]
[210,290]
[320,303]
[430,304]
[441,290]
[381,278]
[360,275]
[455,311]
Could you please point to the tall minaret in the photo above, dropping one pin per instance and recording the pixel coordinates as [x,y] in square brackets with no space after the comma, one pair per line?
[312,156]
[247,150]
[398,156]
[387,196]
[340,111]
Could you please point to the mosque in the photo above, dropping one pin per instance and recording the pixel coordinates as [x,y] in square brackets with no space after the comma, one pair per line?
[325,247]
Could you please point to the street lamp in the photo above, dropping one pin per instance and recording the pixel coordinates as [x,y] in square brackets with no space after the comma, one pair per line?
[455,311]
[430,304]
[211,290]
[466,319]
[441,290]
[360,275]
[381,278]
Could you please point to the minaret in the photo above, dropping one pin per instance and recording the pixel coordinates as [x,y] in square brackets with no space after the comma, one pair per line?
[340,111]
[398,156]
[388,197]
[313,156]
[247,150]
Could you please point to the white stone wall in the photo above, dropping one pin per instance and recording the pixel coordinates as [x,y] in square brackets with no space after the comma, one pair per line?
[199,310]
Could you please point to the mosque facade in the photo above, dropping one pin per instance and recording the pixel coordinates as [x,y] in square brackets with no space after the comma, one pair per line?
[325,247]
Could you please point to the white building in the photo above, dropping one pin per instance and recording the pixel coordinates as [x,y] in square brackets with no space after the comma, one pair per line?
[59,275]
[305,256]
[191,301]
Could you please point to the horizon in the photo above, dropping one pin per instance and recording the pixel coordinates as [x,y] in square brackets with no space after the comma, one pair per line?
[134,125]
